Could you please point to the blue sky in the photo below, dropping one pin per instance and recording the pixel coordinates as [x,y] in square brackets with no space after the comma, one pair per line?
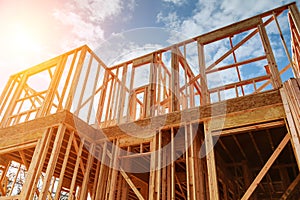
[33,31]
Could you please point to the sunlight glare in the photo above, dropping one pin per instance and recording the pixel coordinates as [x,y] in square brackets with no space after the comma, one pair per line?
[24,39]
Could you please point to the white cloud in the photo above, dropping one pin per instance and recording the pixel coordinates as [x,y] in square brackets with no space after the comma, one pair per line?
[122,47]
[83,31]
[213,14]
[85,19]
[176,2]
[99,10]
[171,19]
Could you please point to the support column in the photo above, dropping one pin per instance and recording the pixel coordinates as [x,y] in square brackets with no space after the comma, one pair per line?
[64,166]
[153,161]
[52,161]
[88,167]
[99,190]
[203,80]
[151,90]
[36,165]
[275,75]
[211,163]
[295,16]
[175,101]
[293,126]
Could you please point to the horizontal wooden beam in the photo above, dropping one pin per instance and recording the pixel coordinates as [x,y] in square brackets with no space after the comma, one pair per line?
[249,127]
[240,83]
[17,197]
[31,131]
[232,106]
[17,147]
[230,30]
[248,119]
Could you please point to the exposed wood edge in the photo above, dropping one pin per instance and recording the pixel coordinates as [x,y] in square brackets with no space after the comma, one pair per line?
[35,125]
[235,28]
[292,128]
[51,62]
[81,127]
[248,127]
[33,130]
[18,147]
[17,197]
[291,188]
[146,59]
[211,164]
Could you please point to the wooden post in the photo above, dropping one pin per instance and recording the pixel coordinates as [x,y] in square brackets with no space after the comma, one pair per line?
[151,89]
[52,161]
[13,102]
[86,178]
[175,86]
[76,78]
[115,159]
[93,95]
[7,92]
[153,161]
[192,160]
[67,82]
[102,98]
[3,175]
[125,185]
[122,95]
[276,80]
[187,163]
[96,177]
[85,82]
[202,68]
[211,164]
[164,176]
[295,16]
[99,193]
[120,184]
[63,168]
[291,127]
[73,182]
[158,170]
[199,169]
[48,103]
[131,97]
[286,50]
[36,164]
[172,164]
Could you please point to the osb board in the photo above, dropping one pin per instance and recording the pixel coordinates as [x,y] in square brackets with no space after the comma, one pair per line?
[237,106]
[28,131]
[248,117]
[32,130]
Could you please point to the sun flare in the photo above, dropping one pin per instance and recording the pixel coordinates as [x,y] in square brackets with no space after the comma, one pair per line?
[24,39]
